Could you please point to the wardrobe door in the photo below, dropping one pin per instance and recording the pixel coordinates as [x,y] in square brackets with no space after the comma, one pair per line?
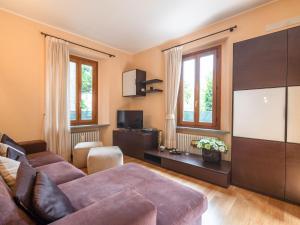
[260,62]
[260,114]
[258,144]
[259,165]
[293,115]
[294,56]
[292,191]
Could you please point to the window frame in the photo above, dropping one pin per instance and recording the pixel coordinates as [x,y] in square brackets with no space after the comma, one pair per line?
[216,117]
[79,61]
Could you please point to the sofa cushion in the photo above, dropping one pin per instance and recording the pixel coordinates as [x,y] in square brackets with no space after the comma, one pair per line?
[4,138]
[3,149]
[15,154]
[9,141]
[11,152]
[61,172]
[8,170]
[48,201]
[24,186]
[175,203]
[9,211]
[11,149]
[43,158]
[123,208]
[33,146]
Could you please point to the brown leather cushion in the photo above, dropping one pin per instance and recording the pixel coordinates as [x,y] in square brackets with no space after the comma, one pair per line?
[43,158]
[24,186]
[48,201]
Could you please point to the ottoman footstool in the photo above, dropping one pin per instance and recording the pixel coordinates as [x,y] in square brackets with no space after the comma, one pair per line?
[81,151]
[102,158]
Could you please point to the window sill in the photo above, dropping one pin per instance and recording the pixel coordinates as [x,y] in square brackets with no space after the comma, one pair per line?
[195,130]
[79,128]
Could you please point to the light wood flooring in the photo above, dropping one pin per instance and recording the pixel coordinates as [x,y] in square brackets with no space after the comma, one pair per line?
[234,205]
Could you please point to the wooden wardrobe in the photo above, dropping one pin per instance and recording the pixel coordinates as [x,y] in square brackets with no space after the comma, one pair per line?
[266,114]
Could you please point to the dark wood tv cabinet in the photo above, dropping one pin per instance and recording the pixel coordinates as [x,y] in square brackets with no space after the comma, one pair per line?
[192,165]
[144,146]
[135,142]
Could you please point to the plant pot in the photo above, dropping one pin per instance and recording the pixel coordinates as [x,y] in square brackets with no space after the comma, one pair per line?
[211,156]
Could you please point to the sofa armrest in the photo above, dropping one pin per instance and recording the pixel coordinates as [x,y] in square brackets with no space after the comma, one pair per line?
[34,146]
[123,208]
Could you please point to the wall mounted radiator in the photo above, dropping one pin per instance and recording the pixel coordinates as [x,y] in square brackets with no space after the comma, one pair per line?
[84,136]
[184,142]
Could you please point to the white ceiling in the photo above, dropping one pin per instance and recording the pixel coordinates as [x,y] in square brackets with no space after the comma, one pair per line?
[131,25]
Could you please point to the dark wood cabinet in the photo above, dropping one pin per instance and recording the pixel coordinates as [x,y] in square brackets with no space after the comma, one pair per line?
[259,165]
[269,167]
[135,142]
[293,57]
[134,83]
[292,190]
[144,146]
[192,165]
[260,62]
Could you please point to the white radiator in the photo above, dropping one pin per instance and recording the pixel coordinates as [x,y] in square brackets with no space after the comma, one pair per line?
[84,136]
[184,142]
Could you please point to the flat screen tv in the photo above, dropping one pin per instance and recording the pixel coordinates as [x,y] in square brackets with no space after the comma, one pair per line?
[130,119]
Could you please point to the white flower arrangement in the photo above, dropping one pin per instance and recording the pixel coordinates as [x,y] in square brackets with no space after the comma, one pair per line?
[212,144]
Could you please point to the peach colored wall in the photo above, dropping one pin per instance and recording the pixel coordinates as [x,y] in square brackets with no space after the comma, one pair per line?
[250,24]
[153,104]
[114,68]
[22,70]
[22,78]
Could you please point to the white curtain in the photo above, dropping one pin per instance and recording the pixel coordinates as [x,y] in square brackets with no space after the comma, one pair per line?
[173,59]
[57,129]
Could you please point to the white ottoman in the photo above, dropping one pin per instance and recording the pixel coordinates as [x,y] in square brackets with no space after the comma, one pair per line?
[102,158]
[80,153]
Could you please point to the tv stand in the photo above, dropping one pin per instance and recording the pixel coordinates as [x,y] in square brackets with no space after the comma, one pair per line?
[191,165]
[135,142]
[144,145]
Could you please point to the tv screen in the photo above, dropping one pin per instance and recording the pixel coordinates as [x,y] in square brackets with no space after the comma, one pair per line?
[130,119]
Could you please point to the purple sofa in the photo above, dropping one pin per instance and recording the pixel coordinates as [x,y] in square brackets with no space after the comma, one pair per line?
[126,195]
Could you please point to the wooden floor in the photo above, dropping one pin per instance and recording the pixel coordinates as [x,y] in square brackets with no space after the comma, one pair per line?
[234,205]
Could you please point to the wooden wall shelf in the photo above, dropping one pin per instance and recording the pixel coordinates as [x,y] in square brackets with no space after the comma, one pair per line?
[154,91]
[152,81]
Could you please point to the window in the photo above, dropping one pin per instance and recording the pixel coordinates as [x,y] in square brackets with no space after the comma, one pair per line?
[83,91]
[199,92]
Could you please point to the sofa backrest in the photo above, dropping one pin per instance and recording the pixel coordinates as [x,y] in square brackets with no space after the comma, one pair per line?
[10,213]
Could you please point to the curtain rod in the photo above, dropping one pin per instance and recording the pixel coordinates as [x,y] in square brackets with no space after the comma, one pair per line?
[110,55]
[231,29]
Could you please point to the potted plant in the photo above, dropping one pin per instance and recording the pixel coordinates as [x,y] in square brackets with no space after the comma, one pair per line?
[212,149]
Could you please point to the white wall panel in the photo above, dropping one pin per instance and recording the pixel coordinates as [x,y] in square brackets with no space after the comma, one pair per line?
[293,119]
[260,114]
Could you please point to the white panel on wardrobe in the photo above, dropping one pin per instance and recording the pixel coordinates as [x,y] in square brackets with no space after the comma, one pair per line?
[293,118]
[260,114]
[129,83]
